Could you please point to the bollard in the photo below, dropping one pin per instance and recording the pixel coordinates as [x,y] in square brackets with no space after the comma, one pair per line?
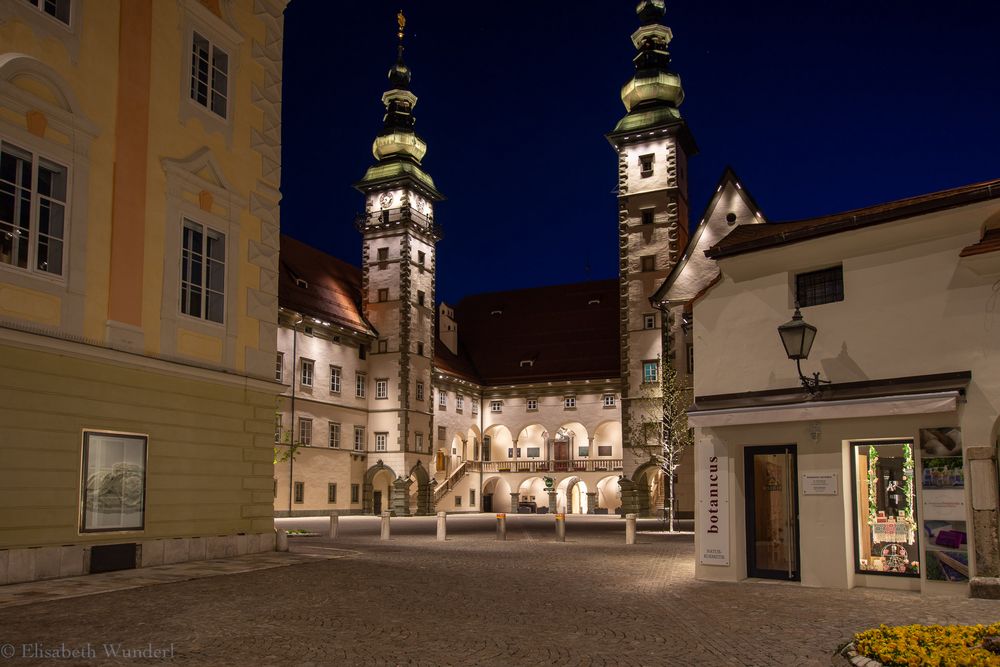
[385,526]
[281,542]
[334,526]
[442,526]
[501,526]
[629,529]
[560,527]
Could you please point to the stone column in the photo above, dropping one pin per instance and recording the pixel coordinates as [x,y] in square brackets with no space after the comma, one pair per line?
[552,501]
[630,500]
[515,498]
[401,496]
[592,502]
[591,448]
[983,483]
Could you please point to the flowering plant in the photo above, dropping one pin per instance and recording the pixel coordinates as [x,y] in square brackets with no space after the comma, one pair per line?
[936,645]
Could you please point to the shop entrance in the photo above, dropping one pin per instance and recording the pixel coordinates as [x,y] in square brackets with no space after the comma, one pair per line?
[772,512]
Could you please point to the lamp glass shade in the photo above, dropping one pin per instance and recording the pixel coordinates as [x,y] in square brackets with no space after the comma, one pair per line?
[797,336]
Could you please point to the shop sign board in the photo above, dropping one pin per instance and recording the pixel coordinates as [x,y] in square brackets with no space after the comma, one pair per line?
[819,483]
[713,504]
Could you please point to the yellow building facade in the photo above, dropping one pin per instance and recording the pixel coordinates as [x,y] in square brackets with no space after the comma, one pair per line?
[139,235]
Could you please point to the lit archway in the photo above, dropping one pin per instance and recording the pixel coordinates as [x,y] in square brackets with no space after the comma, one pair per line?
[496,495]
[376,494]
[608,495]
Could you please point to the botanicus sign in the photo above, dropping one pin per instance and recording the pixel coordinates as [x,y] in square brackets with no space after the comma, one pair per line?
[713,504]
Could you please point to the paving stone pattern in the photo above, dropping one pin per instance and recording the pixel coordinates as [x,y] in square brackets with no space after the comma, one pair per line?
[474,601]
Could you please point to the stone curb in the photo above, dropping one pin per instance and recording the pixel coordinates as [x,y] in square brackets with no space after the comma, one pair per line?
[856,659]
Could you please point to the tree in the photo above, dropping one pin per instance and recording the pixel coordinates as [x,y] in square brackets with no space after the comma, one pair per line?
[658,427]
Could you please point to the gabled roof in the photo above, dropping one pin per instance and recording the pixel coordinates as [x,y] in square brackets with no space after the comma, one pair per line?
[314,283]
[694,272]
[756,237]
[562,332]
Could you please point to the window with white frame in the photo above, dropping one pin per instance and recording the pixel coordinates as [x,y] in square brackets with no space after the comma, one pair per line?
[419,441]
[475,407]
[335,435]
[609,400]
[305,431]
[532,404]
[114,481]
[279,367]
[359,438]
[420,391]
[360,383]
[335,375]
[650,371]
[277,427]
[203,272]
[381,440]
[496,406]
[569,403]
[381,388]
[306,378]
[459,403]
[209,75]
[57,9]
[649,321]
[33,213]
[442,400]
[646,165]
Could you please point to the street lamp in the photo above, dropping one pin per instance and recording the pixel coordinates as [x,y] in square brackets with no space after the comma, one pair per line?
[797,336]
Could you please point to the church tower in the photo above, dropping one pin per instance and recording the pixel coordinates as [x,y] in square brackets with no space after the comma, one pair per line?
[398,265]
[653,145]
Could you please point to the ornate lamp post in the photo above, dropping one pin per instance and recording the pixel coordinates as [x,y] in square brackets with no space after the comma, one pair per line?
[797,336]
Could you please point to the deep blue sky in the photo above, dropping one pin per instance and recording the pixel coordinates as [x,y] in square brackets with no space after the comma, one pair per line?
[819,106]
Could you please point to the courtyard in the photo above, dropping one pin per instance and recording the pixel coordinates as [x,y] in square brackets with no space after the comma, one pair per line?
[470,600]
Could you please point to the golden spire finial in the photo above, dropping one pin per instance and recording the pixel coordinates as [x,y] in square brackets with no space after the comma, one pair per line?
[401,20]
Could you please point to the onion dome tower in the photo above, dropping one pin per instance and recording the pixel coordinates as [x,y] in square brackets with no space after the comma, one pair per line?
[399,239]
[653,144]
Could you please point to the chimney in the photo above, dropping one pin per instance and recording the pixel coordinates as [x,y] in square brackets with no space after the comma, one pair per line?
[448,328]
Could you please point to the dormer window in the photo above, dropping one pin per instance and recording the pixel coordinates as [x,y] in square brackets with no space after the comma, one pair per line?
[496,313]
[594,302]
[527,363]
[299,282]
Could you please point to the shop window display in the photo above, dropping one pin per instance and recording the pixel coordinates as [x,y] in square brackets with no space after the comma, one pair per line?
[885,520]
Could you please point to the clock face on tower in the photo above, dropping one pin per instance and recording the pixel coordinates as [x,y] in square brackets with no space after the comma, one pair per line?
[385,200]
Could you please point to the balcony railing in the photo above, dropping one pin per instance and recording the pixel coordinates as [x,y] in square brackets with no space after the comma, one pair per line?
[396,216]
[575,465]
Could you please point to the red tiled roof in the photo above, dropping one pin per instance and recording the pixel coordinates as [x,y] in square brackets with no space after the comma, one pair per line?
[748,238]
[568,332]
[332,289]
[989,243]
[453,364]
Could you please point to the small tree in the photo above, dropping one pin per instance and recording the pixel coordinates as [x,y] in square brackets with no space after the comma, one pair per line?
[658,427]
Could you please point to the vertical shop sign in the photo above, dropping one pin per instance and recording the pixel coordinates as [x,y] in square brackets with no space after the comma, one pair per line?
[713,504]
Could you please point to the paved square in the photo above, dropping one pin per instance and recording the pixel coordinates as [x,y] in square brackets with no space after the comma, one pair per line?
[473,600]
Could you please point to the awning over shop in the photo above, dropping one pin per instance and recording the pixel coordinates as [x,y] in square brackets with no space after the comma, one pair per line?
[923,394]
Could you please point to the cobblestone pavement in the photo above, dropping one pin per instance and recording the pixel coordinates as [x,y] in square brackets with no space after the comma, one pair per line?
[473,601]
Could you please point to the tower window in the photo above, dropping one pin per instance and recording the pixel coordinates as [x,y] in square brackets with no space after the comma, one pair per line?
[383,294]
[647,215]
[649,321]
[383,346]
[647,263]
[420,348]
[420,391]
[646,165]
[650,372]
[421,257]
[421,297]
[382,388]
[383,257]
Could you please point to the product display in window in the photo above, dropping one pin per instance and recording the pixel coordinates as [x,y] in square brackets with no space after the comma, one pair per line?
[886,526]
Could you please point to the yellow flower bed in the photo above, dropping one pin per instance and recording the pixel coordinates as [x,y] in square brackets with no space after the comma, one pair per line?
[936,645]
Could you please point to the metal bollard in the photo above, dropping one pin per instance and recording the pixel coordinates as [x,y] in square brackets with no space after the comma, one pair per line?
[281,541]
[442,526]
[385,526]
[501,526]
[560,527]
[629,529]
[334,526]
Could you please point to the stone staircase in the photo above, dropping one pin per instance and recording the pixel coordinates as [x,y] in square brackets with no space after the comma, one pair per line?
[448,484]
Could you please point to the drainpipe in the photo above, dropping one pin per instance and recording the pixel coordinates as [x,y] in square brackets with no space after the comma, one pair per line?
[291,439]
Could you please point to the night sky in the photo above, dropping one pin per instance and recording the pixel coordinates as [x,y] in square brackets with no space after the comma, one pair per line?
[819,107]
